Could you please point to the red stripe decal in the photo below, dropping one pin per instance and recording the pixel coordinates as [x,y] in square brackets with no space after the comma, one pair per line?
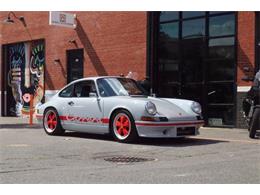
[85,120]
[105,120]
[63,118]
[170,124]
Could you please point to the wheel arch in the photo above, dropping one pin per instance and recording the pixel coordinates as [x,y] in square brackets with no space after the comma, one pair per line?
[117,109]
[48,107]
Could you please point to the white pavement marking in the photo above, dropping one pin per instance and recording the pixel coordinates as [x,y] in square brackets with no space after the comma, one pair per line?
[17,145]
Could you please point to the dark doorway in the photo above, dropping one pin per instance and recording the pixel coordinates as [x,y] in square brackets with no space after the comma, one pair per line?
[74,64]
[195,59]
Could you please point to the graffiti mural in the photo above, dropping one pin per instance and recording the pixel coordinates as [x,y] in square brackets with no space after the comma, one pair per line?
[26,75]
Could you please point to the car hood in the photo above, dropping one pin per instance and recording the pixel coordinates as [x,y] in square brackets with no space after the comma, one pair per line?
[172,108]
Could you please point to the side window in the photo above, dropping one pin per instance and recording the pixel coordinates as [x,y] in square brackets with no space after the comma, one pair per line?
[83,88]
[67,92]
[104,88]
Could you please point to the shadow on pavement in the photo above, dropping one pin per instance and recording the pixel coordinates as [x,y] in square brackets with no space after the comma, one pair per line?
[178,142]
[19,126]
[165,142]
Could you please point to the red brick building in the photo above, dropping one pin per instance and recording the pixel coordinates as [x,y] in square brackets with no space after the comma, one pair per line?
[194,55]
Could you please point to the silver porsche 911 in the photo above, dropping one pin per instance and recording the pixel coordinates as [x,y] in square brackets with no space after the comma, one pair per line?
[119,106]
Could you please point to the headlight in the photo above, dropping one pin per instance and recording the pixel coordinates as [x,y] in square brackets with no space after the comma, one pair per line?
[150,108]
[195,106]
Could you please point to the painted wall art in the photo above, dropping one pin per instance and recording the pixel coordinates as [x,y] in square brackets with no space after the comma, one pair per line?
[26,75]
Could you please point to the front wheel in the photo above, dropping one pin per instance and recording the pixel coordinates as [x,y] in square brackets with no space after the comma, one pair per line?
[255,123]
[122,127]
[51,122]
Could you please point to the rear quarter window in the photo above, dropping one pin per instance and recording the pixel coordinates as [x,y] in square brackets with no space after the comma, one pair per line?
[67,92]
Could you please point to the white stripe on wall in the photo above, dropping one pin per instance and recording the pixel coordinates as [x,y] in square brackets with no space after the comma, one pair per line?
[243,88]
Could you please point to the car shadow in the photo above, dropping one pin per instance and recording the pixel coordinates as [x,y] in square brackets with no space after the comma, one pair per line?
[20,126]
[166,142]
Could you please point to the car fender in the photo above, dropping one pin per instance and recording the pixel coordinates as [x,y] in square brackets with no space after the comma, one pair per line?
[135,107]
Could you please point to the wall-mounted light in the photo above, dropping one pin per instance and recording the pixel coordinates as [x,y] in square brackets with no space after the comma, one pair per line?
[8,20]
[72,41]
[57,61]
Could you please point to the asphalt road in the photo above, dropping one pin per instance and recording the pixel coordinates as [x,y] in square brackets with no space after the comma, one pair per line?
[28,155]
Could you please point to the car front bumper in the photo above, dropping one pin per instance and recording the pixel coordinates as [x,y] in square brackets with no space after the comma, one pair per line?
[168,129]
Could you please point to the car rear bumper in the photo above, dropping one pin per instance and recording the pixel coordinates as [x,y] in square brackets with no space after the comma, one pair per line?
[168,129]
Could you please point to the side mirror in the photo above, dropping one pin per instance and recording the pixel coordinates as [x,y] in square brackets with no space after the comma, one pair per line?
[92,94]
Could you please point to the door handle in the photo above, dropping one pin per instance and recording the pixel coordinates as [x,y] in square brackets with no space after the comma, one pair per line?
[71,103]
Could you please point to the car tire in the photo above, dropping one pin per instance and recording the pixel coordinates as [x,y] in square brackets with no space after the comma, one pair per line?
[255,123]
[122,127]
[51,122]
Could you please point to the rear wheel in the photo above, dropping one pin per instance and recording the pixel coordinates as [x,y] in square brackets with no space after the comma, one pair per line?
[255,123]
[51,122]
[122,126]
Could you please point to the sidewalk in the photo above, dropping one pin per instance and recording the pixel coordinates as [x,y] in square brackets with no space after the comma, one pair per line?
[16,121]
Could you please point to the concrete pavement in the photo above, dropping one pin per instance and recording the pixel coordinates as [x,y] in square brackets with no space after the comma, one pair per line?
[28,155]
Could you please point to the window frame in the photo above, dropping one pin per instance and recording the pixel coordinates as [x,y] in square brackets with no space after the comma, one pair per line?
[78,82]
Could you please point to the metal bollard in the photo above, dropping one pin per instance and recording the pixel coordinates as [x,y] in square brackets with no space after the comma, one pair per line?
[31,111]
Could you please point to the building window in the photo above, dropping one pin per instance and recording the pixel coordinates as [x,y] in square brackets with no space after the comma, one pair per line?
[191,14]
[170,31]
[222,25]
[196,60]
[168,16]
[193,28]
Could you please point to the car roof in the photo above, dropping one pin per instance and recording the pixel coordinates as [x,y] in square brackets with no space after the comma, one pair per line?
[95,78]
[88,78]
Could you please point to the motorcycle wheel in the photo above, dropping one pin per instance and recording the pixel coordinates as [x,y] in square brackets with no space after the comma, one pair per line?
[255,123]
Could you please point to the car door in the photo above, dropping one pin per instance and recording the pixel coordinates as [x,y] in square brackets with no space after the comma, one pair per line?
[86,108]
[63,106]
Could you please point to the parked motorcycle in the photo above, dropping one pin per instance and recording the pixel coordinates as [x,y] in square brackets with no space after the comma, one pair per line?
[251,106]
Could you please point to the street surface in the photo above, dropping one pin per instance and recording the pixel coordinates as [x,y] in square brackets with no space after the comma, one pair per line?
[28,155]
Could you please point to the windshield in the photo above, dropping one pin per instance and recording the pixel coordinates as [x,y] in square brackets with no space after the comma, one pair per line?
[119,87]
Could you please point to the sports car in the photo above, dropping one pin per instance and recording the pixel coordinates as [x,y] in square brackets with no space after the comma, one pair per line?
[119,106]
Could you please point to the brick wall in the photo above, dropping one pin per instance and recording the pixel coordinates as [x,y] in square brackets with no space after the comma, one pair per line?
[113,42]
[245,58]
[245,46]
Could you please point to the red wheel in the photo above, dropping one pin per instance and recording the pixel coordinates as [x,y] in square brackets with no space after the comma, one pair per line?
[51,122]
[123,126]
